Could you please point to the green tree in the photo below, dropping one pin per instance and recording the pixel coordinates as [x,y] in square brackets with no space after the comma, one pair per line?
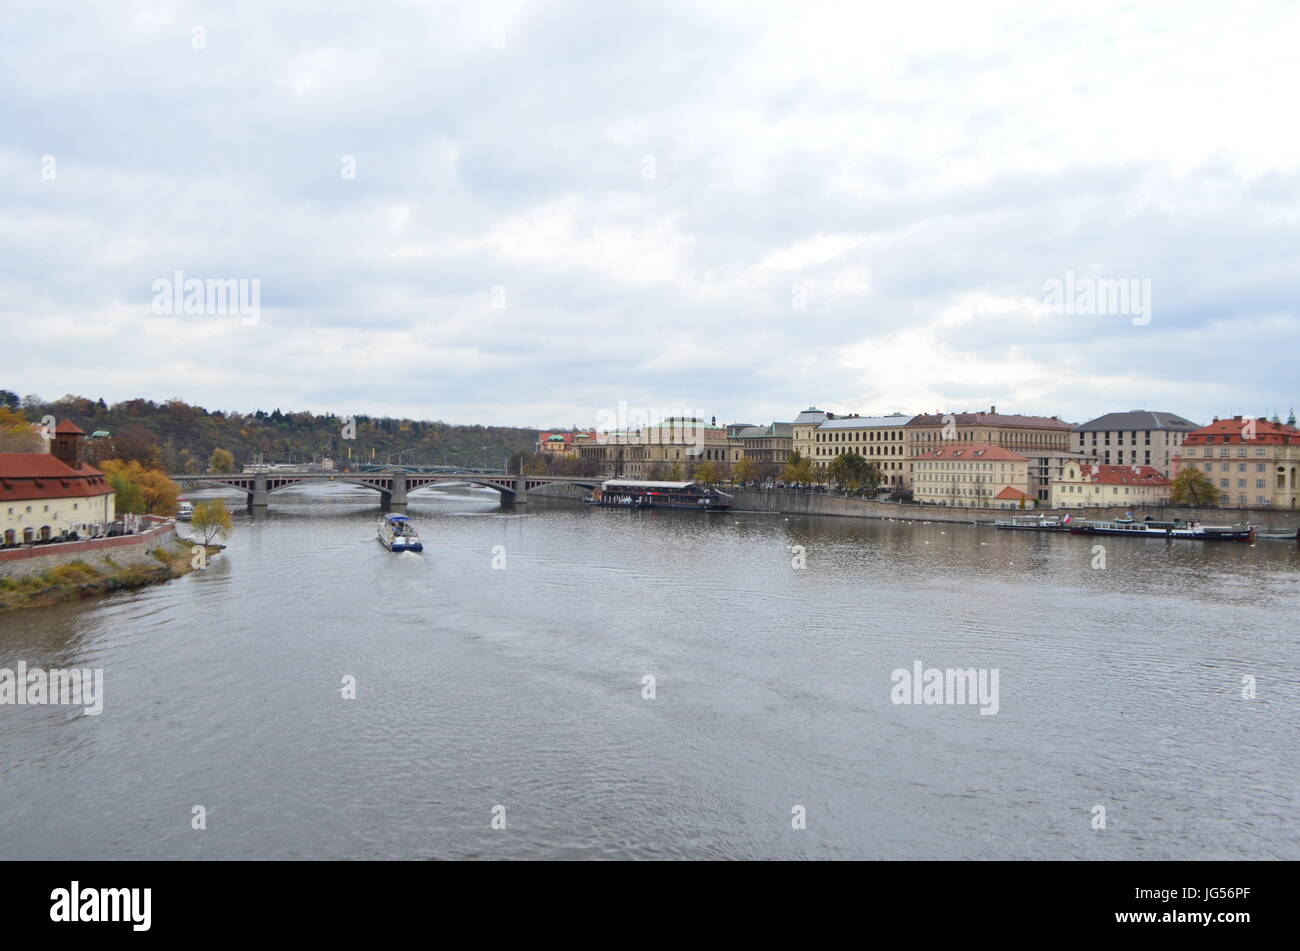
[705,472]
[1191,486]
[799,469]
[854,471]
[211,519]
[221,460]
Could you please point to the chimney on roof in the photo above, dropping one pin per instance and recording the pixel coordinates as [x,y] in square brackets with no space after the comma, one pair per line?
[993,410]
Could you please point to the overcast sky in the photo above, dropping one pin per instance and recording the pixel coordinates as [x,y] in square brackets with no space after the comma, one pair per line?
[736,208]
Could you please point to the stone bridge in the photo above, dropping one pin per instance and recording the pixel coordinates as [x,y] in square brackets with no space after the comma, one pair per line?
[393,486]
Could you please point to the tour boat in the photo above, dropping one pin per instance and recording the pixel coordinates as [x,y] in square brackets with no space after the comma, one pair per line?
[396,533]
[628,493]
[1175,529]
[1035,523]
[184,510]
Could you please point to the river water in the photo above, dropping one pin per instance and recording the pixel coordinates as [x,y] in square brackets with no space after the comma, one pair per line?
[517,692]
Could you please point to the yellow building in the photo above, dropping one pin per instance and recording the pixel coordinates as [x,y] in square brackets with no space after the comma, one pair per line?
[1021,434]
[878,439]
[976,476]
[676,445]
[803,429]
[1082,485]
[1252,462]
[50,495]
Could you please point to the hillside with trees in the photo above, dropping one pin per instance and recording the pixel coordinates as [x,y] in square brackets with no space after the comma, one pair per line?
[180,437]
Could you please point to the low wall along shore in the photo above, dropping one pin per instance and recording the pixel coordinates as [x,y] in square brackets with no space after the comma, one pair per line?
[815,503]
[124,550]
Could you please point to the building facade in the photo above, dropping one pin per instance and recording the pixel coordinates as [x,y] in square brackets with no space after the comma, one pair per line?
[879,439]
[974,475]
[803,428]
[562,443]
[1252,462]
[1083,484]
[1018,434]
[50,495]
[768,445]
[1137,438]
[671,448]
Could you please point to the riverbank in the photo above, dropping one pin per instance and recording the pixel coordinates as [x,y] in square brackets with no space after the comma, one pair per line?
[790,502]
[82,578]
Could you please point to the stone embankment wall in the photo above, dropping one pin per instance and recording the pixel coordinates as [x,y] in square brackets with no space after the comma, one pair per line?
[816,503]
[124,550]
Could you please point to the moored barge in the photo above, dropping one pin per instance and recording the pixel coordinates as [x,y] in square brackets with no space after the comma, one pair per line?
[1175,529]
[628,493]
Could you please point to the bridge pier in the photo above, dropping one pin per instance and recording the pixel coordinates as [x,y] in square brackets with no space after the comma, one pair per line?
[521,491]
[259,498]
[395,499]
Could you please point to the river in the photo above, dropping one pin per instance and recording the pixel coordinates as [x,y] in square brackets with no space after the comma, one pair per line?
[517,693]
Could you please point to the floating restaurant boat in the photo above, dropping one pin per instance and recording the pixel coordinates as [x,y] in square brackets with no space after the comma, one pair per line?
[1175,529]
[396,533]
[1035,523]
[627,493]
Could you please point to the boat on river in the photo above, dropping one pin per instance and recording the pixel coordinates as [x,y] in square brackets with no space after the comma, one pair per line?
[1151,528]
[628,493]
[397,533]
[1035,523]
[1277,534]
[184,510]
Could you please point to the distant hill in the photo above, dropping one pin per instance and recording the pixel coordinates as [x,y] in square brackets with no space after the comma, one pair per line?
[181,437]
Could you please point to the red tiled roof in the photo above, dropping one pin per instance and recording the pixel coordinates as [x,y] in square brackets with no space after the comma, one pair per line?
[1011,493]
[981,452]
[68,427]
[39,475]
[1121,475]
[1224,431]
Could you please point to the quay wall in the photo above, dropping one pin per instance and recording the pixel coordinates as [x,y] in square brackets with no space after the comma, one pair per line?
[816,503]
[124,550]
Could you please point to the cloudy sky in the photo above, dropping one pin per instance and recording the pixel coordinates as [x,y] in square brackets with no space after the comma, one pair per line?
[530,213]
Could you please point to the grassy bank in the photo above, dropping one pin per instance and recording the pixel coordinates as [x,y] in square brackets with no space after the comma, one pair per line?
[79,579]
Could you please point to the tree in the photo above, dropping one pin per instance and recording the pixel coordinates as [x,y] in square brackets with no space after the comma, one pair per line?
[16,434]
[852,470]
[799,469]
[221,460]
[747,470]
[140,490]
[211,519]
[1191,486]
[705,472]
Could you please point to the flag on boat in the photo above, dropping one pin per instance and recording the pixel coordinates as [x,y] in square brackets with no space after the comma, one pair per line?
[1066,520]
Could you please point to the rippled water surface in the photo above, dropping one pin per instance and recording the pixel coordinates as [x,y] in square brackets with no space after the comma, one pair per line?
[522,687]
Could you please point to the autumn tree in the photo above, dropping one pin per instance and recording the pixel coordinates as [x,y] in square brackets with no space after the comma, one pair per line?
[799,469]
[16,433]
[705,472]
[221,460]
[211,519]
[746,470]
[1191,486]
[139,490]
